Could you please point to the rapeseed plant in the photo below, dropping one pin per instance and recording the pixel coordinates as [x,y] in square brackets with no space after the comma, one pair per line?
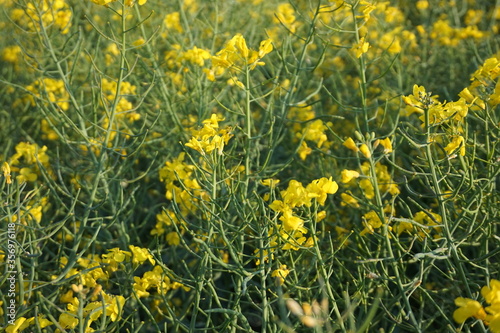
[260,166]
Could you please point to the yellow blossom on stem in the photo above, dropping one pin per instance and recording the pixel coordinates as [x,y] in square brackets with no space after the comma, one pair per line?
[348,175]
[304,151]
[350,144]
[280,274]
[140,255]
[270,182]
[291,222]
[386,143]
[467,308]
[492,293]
[349,200]
[458,142]
[371,221]
[365,151]
[361,47]
[319,188]
[17,326]
[6,172]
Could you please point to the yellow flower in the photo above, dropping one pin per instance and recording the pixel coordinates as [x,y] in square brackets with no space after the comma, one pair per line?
[349,143]
[280,274]
[140,255]
[296,195]
[17,326]
[129,3]
[6,172]
[457,142]
[386,143]
[348,200]
[348,175]
[467,308]
[210,137]
[291,222]
[114,306]
[315,131]
[11,54]
[304,151]
[492,293]
[371,221]
[422,4]
[494,320]
[102,2]
[286,15]
[365,151]
[173,238]
[173,22]
[270,182]
[68,321]
[361,47]
[265,47]
[319,188]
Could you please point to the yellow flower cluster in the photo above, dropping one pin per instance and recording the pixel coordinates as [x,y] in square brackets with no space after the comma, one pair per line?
[446,35]
[490,315]
[451,114]
[280,274]
[12,54]
[312,131]
[485,85]
[155,279]
[22,323]
[439,113]
[25,162]
[291,230]
[176,171]
[49,13]
[209,137]
[95,271]
[128,3]
[50,89]
[124,107]
[236,55]
[422,224]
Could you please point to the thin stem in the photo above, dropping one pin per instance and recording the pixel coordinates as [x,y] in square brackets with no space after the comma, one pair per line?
[442,209]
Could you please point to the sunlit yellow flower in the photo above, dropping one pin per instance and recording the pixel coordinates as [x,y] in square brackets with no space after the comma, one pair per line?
[270,182]
[173,238]
[361,47]
[291,222]
[140,255]
[492,293]
[365,151]
[349,143]
[6,172]
[422,4]
[12,54]
[348,175]
[68,321]
[17,326]
[280,274]
[319,189]
[349,200]
[458,142]
[304,151]
[467,308]
[386,143]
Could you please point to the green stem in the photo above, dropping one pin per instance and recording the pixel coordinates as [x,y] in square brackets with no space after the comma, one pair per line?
[99,173]
[442,209]
[362,73]
[248,127]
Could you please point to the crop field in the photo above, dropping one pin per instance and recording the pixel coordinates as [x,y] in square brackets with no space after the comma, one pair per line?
[249,166]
